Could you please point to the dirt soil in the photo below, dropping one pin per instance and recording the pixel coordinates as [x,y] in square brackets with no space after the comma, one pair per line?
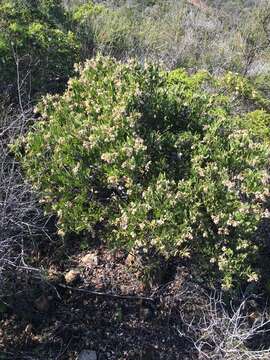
[96,300]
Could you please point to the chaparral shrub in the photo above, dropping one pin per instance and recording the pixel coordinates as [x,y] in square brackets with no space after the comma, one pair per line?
[155,160]
[179,33]
[83,17]
[37,51]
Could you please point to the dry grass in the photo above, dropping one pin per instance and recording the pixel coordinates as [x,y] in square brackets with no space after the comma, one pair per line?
[222,333]
[21,218]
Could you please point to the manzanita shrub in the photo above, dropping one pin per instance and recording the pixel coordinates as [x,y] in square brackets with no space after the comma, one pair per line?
[158,160]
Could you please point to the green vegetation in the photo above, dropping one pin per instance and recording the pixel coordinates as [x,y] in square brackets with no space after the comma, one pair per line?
[155,159]
[37,51]
[179,34]
[135,158]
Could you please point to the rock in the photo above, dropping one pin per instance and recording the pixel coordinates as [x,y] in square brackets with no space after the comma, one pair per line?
[130,260]
[87,355]
[150,353]
[145,313]
[90,260]
[42,303]
[118,255]
[253,304]
[72,276]
[54,277]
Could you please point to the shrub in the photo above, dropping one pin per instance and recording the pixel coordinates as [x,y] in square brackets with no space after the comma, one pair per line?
[110,30]
[178,34]
[35,48]
[83,17]
[152,160]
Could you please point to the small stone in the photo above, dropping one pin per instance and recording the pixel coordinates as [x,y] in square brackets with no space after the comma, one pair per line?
[145,313]
[130,260]
[253,304]
[42,303]
[90,260]
[118,255]
[54,277]
[150,353]
[87,355]
[72,276]
[123,289]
